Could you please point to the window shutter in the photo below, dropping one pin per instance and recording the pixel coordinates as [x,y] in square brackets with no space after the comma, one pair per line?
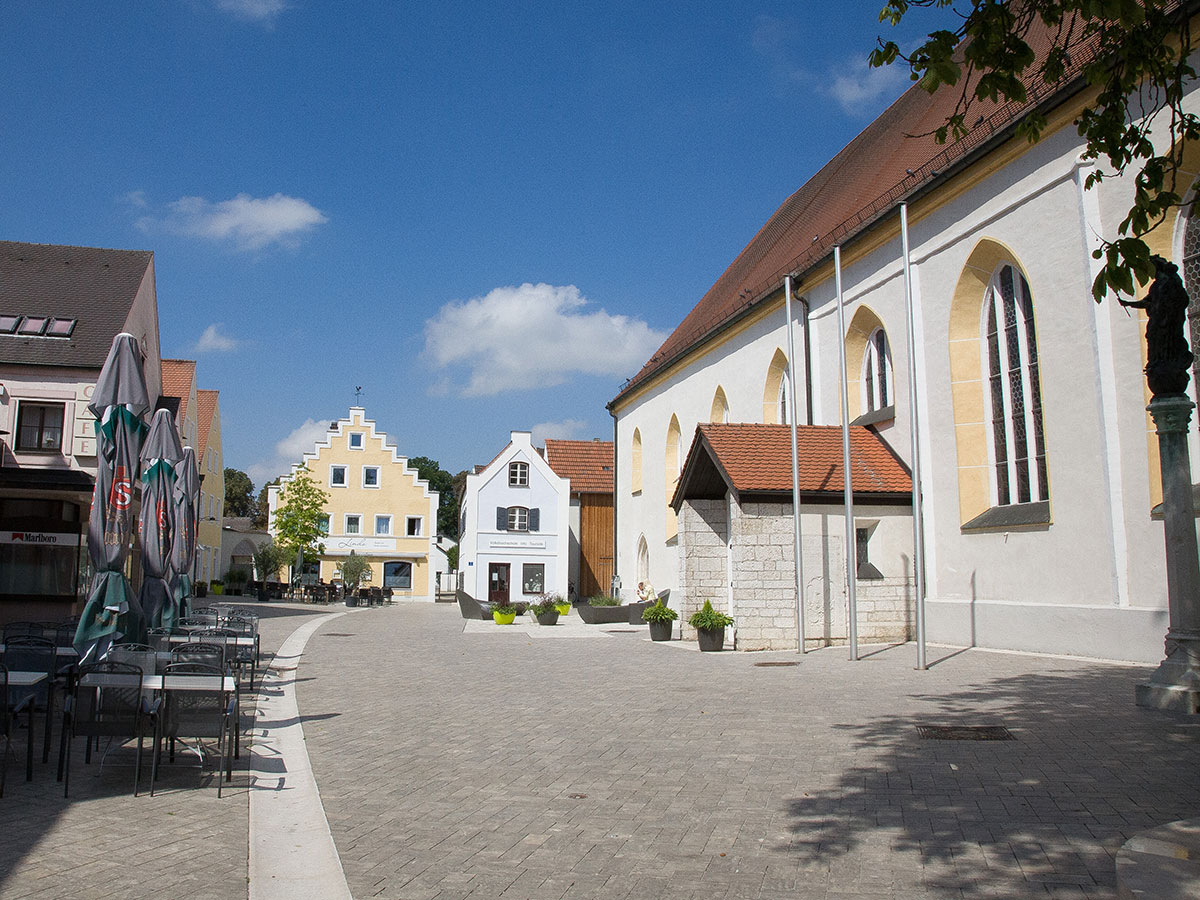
[501,519]
[534,519]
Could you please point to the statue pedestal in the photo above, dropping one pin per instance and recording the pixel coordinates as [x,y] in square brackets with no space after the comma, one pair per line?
[1175,684]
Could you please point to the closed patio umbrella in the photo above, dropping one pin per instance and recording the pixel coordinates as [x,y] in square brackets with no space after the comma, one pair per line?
[119,403]
[161,453]
[183,543]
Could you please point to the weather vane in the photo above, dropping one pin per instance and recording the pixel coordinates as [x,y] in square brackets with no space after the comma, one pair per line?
[357,393]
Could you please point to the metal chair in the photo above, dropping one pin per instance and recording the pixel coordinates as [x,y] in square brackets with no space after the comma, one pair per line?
[202,653]
[197,714]
[5,727]
[107,702]
[159,639]
[23,653]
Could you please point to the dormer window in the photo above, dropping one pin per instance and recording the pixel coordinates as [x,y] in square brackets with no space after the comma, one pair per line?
[32,325]
[518,474]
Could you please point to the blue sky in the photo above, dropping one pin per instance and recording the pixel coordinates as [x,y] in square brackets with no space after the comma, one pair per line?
[488,216]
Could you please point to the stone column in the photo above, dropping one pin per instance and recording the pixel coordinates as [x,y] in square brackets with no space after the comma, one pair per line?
[1175,684]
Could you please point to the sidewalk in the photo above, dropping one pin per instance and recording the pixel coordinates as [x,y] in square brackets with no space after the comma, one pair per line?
[457,760]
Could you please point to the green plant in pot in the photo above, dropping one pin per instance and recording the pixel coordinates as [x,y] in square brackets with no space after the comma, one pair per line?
[561,603]
[710,627]
[661,619]
[546,611]
[504,613]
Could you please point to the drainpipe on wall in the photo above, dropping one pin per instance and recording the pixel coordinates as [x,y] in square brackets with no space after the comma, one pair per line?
[612,412]
[808,388]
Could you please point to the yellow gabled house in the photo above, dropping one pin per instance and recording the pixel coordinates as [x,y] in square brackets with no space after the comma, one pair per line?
[378,507]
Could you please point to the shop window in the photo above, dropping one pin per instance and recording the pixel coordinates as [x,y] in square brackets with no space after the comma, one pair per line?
[397,575]
[39,427]
[533,578]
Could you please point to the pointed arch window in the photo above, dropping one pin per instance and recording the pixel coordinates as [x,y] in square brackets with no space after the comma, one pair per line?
[877,379]
[635,468]
[719,413]
[1018,444]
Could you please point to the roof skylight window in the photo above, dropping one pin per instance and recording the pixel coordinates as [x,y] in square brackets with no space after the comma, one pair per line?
[32,325]
[60,327]
[8,324]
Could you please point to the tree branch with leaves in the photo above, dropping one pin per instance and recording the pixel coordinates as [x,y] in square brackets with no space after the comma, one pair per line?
[1132,53]
[298,516]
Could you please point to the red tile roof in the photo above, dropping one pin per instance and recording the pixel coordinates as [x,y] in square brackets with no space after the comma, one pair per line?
[758,459]
[588,464]
[207,402]
[895,157]
[178,376]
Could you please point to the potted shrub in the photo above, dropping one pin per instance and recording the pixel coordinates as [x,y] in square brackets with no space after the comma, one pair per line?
[710,627]
[561,603]
[504,614]
[218,586]
[661,619]
[201,588]
[545,612]
[236,578]
[353,571]
[268,560]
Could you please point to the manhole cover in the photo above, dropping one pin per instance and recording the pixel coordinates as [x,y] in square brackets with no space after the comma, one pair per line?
[965,733]
[767,665]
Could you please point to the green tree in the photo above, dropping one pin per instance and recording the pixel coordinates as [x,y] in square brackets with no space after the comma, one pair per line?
[1132,53]
[298,516]
[269,558]
[239,494]
[443,482]
[452,555]
[354,570]
[262,505]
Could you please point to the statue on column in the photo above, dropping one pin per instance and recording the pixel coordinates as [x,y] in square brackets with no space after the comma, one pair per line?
[1168,358]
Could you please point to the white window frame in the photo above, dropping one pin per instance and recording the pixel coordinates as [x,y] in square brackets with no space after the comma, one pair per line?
[387,531]
[344,481]
[346,523]
[785,408]
[420,520]
[993,299]
[878,391]
[362,440]
[516,515]
[518,473]
[378,477]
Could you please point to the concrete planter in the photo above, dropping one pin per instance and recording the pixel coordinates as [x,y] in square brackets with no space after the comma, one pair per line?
[711,639]
[548,618]
[661,631]
[603,615]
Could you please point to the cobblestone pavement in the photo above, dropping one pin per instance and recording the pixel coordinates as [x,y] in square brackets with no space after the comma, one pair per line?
[102,842]
[496,765]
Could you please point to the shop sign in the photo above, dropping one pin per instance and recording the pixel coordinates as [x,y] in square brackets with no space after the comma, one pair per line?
[39,538]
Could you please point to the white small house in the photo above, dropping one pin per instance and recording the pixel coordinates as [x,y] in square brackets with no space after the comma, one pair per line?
[515,529]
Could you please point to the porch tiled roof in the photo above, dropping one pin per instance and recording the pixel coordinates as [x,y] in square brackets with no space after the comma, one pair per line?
[758,458]
[588,464]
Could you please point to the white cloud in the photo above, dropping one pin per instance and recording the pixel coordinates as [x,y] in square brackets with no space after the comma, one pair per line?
[263,11]
[249,223]
[534,336]
[289,451]
[566,430]
[213,340]
[858,89]
[861,90]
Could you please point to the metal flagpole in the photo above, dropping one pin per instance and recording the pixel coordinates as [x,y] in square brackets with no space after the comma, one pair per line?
[918,522]
[791,355]
[847,485]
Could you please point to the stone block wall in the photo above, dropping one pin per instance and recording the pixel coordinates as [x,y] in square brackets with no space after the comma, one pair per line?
[763,573]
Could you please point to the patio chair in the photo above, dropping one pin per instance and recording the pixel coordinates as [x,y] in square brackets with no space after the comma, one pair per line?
[23,653]
[24,629]
[193,622]
[202,653]
[159,639]
[114,709]
[197,714]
